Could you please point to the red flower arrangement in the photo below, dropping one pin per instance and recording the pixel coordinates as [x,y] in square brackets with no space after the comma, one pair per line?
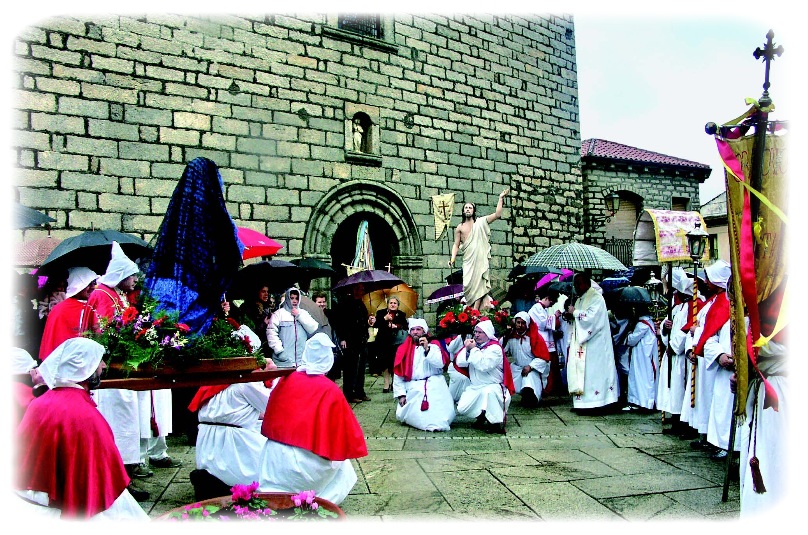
[461,319]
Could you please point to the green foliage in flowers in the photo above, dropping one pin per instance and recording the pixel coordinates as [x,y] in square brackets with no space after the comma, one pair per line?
[144,335]
[461,319]
[309,518]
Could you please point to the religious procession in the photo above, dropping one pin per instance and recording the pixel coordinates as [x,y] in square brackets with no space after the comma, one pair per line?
[310,352]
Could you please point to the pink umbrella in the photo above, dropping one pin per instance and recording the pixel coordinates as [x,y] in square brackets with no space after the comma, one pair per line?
[551,277]
[256,244]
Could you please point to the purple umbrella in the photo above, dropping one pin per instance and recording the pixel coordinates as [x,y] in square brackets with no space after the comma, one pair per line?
[371,279]
[552,276]
[451,291]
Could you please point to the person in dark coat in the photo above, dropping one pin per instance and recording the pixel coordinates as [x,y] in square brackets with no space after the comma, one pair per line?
[352,317]
[392,325]
[24,329]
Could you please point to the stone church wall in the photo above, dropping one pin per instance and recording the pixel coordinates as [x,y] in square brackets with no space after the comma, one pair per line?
[109,109]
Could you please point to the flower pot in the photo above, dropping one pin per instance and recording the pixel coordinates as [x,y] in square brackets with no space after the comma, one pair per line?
[275,500]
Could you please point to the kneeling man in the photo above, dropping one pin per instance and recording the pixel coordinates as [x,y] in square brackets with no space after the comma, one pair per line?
[424,401]
[531,361]
[488,396]
[67,461]
[312,432]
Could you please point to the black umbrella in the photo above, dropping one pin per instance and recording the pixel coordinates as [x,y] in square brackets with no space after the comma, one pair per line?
[93,249]
[375,279]
[634,295]
[561,287]
[277,275]
[25,217]
[313,268]
[455,278]
[532,271]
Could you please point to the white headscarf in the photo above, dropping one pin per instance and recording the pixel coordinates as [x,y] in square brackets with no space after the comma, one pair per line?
[681,283]
[119,267]
[21,361]
[488,328]
[287,299]
[719,273]
[78,279]
[317,357]
[417,322]
[523,316]
[74,361]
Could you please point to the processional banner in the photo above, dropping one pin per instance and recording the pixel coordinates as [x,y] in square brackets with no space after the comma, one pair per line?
[442,208]
[670,230]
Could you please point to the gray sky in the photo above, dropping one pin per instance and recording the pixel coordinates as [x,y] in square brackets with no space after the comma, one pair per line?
[651,73]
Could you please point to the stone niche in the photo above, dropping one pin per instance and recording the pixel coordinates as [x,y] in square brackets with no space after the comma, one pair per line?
[362,134]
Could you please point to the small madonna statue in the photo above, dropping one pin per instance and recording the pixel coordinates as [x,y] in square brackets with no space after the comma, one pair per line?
[358,132]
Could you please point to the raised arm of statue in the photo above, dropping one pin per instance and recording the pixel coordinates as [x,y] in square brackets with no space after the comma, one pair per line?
[496,215]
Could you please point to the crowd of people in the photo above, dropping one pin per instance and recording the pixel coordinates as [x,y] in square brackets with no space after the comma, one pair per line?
[607,358]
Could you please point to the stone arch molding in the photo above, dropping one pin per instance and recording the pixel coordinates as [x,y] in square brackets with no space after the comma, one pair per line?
[361,196]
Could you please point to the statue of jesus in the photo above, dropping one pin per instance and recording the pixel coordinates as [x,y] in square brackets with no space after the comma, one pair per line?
[471,237]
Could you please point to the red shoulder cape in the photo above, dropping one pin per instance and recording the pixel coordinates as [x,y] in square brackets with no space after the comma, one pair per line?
[717,316]
[105,301]
[66,448]
[793,335]
[310,412]
[203,395]
[506,367]
[16,398]
[67,320]
[405,353]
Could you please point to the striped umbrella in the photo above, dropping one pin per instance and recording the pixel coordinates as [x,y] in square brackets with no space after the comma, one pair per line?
[576,256]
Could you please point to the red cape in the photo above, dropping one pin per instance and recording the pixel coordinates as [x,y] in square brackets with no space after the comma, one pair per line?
[67,320]
[537,344]
[203,395]
[66,448]
[16,398]
[793,335]
[717,316]
[310,412]
[405,354]
[105,301]
[506,367]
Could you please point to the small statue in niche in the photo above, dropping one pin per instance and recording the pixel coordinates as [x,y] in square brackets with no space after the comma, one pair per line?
[358,134]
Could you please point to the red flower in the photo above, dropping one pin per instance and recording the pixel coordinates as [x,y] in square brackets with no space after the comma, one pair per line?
[184,328]
[234,323]
[450,314]
[474,312]
[443,323]
[247,343]
[485,318]
[159,321]
[462,317]
[452,319]
[495,303]
[128,315]
[473,322]
[142,332]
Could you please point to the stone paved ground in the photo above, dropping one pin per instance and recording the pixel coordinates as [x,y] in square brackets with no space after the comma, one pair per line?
[552,465]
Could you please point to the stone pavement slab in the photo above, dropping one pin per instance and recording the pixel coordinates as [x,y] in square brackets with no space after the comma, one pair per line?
[553,464]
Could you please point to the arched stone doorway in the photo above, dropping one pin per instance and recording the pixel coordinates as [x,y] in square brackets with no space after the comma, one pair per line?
[335,220]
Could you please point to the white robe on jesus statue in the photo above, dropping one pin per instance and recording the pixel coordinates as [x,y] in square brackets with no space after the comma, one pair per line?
[591,372]
[476,251]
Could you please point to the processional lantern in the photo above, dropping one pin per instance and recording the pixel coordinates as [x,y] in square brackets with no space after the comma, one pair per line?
[697,242]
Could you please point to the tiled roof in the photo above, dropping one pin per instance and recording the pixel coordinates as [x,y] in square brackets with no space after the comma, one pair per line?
[600,148]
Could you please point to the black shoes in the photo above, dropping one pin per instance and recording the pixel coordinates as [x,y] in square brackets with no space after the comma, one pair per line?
[165,462]
[498,429]
[137,494]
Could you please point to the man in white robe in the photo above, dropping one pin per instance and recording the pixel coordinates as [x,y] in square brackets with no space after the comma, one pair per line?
[779,440]
[716,277]
[230,443]
[304,416]
[530,372]
[671,384]
[643,358]
[67,462]
[422,397]
[488,396]
[591,372]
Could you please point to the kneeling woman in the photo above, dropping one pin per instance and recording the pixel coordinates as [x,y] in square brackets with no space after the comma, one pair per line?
[423,397]
[311,430]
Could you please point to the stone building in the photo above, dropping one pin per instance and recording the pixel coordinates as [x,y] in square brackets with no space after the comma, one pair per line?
[714,213]
[642,179]
[316,122]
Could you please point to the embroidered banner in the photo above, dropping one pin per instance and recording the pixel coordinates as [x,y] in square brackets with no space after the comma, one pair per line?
[442,208]
[670,231]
